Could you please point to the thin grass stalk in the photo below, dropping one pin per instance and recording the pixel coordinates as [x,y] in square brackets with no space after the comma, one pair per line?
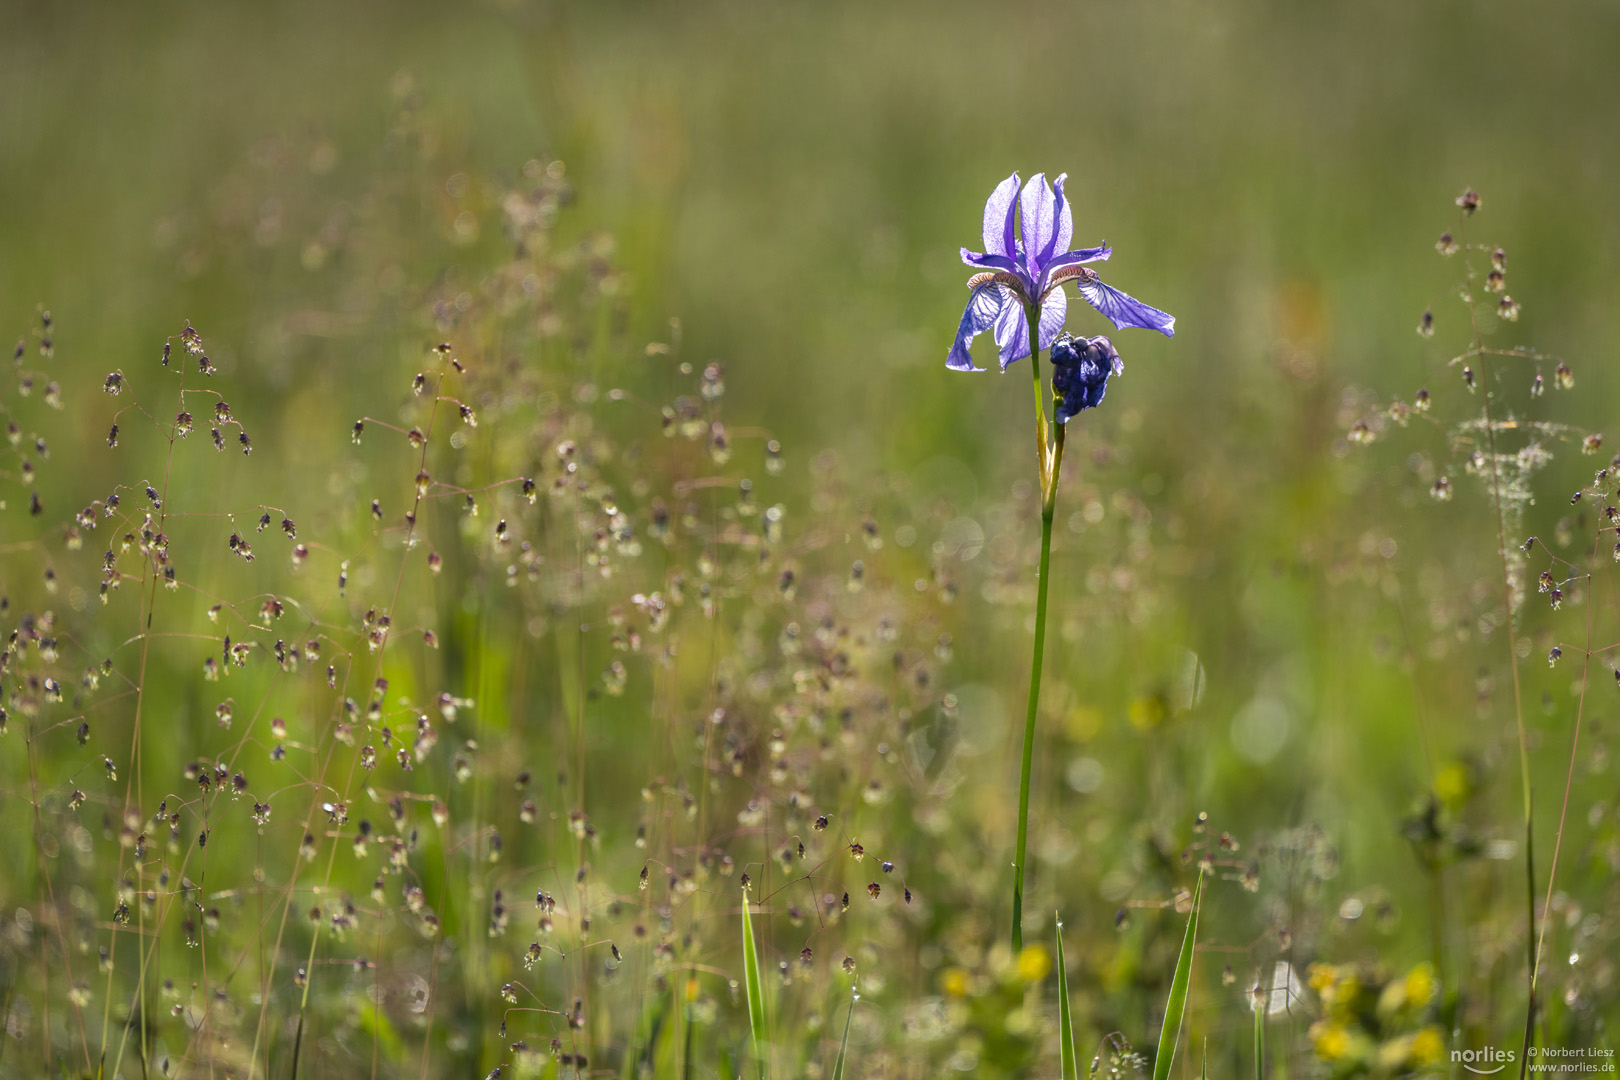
[1518,694]
[843,1044]
[1569,783]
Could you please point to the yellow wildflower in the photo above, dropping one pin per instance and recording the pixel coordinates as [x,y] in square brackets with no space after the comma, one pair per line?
[1033,963]
[1428,1046]
[1329,1040]
[1420,985]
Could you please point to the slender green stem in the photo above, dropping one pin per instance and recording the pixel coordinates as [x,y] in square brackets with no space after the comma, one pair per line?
[1029,732]
[1051,462]
[1041,443]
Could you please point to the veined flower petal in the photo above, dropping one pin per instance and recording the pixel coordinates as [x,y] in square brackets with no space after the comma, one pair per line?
[999,216]
[1122,310]
[1012,329]
[984,261]
[1067,259]
[984,304]
[1065,219]
[1038,214]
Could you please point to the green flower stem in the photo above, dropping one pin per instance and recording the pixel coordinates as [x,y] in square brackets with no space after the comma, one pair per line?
[1051,464]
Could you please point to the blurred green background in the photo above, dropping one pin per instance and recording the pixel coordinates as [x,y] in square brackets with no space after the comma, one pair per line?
[792,183]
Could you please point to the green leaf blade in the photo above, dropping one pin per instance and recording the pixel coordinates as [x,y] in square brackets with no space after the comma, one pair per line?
[1261,1003]
[1071,1070]
[754,987]
[1176,1005]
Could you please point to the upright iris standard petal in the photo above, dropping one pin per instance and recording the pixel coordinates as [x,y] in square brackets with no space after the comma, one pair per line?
[1065,220]
[1037,210]
[1122,310]
[1000,214]
[1012,328]
[984,303]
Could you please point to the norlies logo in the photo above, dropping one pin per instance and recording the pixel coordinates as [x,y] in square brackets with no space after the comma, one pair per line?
[1484,1061]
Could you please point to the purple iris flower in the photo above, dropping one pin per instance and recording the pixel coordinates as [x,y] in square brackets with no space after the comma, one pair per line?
[1031,268]
[1080,371]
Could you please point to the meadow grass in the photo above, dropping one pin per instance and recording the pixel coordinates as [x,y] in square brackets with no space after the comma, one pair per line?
[308,693]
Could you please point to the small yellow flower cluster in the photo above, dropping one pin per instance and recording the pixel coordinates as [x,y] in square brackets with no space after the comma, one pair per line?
[1376,1027]
[1030,966]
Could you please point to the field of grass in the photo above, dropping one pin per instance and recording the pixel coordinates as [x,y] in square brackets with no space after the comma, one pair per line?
[499,581]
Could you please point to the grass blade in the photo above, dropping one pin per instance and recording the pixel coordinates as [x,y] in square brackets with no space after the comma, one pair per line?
[1071,1070]
[1203,1072]
[1176,1005]
[843,1045]
[756,991]
[1261,1004]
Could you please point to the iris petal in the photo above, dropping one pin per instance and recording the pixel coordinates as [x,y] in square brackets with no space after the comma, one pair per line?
[999,216]
[1075,258]
[1125,311]
[1012,329]
[1037,211]
[984,261]
[1065,220]
[983,305]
